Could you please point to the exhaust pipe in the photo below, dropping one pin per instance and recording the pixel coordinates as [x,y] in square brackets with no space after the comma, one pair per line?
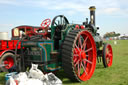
[92,15]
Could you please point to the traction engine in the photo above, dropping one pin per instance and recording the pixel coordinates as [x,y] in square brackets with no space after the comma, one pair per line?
[72,47]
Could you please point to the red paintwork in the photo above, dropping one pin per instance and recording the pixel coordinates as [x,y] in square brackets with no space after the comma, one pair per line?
[82,27]
[84,56]
[109,55]
[45,23]
[30,30]
[8,45]
[9,61]
[77,27]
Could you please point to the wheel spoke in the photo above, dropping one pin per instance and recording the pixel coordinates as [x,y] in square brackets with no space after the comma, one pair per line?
[110,54]
[45,25]
[79,68]
[108,60]
[88,50]
[107,55]
[84,69]
[87,61]
[77,47]
[75,60]
[55,24]
[45,22]
[86,55]
[75,50]
[60,20]
[3,64]
[84,63]
[80,42]
[75,55]
[84,44]
[76,63]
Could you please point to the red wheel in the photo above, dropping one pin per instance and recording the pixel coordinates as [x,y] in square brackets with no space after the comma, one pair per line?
[7,61]
[107,56]
[45,23]
[81,63]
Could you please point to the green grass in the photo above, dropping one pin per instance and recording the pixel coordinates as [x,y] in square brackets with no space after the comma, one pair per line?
[115,75]
[2,78]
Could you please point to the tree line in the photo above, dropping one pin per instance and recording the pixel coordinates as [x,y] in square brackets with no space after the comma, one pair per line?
[111,34]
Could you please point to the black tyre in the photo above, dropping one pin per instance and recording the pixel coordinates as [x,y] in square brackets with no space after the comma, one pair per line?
[8,60]
[107,55]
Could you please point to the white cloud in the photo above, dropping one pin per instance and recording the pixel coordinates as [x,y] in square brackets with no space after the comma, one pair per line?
[116,8]
[104,7]
[8,2]
[107,7]
[111,10]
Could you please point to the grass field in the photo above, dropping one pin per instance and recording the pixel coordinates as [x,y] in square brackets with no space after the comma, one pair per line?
[115,75]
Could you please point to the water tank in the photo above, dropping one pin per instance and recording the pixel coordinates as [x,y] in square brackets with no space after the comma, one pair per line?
[4,36]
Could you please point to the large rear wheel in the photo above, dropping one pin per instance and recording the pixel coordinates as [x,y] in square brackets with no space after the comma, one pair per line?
[79,55]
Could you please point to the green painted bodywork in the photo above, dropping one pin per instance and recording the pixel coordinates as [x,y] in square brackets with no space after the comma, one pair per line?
[47,47]
[44,48]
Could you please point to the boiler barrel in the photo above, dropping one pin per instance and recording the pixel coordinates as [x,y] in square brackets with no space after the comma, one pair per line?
[4,36]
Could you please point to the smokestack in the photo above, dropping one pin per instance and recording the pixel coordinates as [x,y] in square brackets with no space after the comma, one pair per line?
[92,14]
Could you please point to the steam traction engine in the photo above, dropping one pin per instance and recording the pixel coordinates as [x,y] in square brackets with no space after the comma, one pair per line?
[73,47]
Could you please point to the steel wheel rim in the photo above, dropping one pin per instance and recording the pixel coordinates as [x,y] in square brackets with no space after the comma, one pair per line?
[109,55]
[84,56]
[9,62]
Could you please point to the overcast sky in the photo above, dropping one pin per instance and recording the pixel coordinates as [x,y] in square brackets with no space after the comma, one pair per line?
[111,15]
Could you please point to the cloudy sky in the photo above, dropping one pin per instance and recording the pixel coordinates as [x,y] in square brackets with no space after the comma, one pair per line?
[111,15]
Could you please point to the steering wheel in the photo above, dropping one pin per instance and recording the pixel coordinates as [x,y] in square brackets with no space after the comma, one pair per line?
[45,23]
[60,20]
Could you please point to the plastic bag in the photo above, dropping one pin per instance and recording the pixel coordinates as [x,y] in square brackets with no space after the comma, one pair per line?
[35,72]
[34,82]
[34,77]
[22,77]
[11,81]
[54,80]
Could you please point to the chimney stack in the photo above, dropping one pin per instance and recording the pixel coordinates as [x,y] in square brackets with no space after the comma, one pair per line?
[92,14]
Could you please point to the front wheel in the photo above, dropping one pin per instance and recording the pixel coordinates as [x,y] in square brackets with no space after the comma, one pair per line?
[7,62]
[79,55]
[107,55]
